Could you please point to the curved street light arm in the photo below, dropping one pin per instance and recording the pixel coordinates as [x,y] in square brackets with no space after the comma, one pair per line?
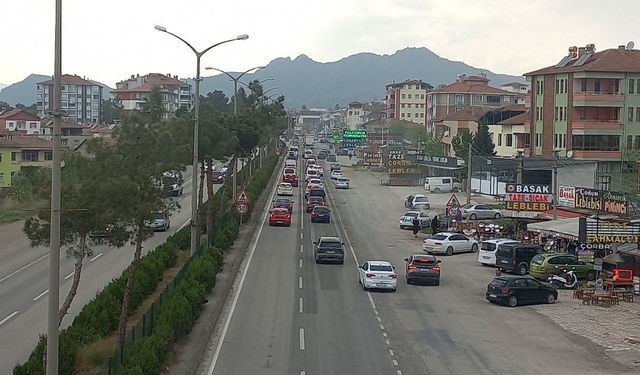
[178,37]
[215,45]
[221,71]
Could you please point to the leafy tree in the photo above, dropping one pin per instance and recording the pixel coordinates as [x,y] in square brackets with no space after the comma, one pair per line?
[215,101]
[304,107]
[111,110]
[4,106]
[430,145]
[482,142]
[460,144]
[153,106]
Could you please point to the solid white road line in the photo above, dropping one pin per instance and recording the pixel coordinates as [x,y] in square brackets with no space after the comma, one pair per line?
[69,275]
[3,321]
[301,248]
[95,257]
[300,282]
[227,322]
[303,373]
[301,237]
[300,263]
[185,224]
[40,295]
[391,353]
[395,363]
[302,346]
[23,267]
[300,305]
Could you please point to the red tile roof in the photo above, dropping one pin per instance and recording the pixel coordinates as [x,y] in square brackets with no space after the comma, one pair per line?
[467,88]
[68,79]
[467,114]
[31,142]
[517,119]
[66,123]
[19,114]
[610,60]
[145,87]
[515,84]
[7,132]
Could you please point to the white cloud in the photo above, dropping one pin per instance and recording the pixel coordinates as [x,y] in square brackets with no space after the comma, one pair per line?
[110,40]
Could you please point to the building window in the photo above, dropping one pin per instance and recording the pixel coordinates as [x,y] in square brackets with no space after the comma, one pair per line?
[402,114]
[408,114]
[459,99]
[48,155]
[14,156]
[29,155]
[0,158]
[408,96]
[629,142]
[402,105]
[403,96]
[596,142]
[527,139]
[477,97]
[508,140]
[493,99]
[637,114]
[583,85]
[596,85]
[557,86]
[499,139]
[422,115]
[630,114]
[421,96]
[632,86]
[556,114]
[636,144]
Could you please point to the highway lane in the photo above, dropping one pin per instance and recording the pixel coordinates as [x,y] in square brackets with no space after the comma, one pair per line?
[291,316]
[23,289]
[451,329]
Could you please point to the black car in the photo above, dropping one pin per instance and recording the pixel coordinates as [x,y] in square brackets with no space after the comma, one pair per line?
[519,290]
[516,257]
[320,214]
[422,267]
[317,192]
[283,203]
[342,152]
[335,167]
[328,249]
[331,158]
[218,177]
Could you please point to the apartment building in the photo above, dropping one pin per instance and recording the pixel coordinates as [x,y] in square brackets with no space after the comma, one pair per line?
[20,120]
[587,107]
[361,113]
[467,91]
[511,136]
[81,99]
[407,101]
[17,151]
[134,92]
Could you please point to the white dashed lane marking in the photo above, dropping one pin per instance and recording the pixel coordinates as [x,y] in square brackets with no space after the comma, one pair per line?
[300,282]
[300,305]
[3,321]
[302,346]
[40,295]
[95,258]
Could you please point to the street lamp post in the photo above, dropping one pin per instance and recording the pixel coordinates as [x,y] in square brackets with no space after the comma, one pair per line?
[54,229]
[194,174]
[235,84]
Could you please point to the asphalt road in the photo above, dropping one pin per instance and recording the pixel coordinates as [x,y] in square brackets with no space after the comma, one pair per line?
[24,278]
[291,316]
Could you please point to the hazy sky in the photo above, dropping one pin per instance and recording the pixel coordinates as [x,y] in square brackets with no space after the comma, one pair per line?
[110,40]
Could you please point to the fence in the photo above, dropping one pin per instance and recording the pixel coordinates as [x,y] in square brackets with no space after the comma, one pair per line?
[145,326]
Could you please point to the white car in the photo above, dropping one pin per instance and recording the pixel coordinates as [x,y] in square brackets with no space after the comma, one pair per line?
[319,169]
[311,173]
[406,221]
[488,248]
[285,188]
[377,274]
[336,174]
[315,181]
[417,202]
[342,183]
[449,243]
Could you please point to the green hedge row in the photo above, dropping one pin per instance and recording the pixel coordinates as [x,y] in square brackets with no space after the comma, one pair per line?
[100,316]
[146,356]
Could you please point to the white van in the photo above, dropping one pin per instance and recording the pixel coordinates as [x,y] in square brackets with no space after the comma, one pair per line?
[442,184]
[488,248]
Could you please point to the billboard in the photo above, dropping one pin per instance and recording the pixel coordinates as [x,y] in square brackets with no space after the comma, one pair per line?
[372,158]
[354,134]
[527,197]
[567,196]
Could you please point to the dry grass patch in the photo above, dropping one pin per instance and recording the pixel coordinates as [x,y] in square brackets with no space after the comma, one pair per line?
[91,360]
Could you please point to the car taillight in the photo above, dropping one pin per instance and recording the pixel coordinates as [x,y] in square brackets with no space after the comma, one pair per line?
[412,267]
[436,268]
[504,290]
[371,275]
[394,276]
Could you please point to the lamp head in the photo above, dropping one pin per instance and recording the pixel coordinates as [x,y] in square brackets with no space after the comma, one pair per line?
[160,28]
[242,37]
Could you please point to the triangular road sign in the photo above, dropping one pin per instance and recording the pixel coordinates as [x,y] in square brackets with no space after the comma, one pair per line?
[242,197]
[453,201]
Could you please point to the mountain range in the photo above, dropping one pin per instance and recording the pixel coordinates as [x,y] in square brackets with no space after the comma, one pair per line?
[303,81]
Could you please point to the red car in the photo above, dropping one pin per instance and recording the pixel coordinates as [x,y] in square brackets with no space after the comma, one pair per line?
[290,178]
[280,216]
[283,203]
[314,201]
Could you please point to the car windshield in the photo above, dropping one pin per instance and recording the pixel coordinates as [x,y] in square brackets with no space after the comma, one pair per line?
[331,244]
[342,180]
[538,259]
[290,171]
[439,237]
[488,246]
[421,200]
[379,267]
[158,216]
[283,201]
[424,260]
[217,174]
[499,283]
[411,214]
[315,200]
[322,210]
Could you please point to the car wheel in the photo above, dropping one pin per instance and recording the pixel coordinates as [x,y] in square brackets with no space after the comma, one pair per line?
[270,224]
[522,269]
[513,301]
[393,290]
[551,298]
[455,189]
[364,287]
[449,251]
[328,221]
[437,282]
[473,217]
[474,248]
[409,281]
[436,190]
[497,216]
[317,261]
[313,220]
[341,262]
[591,275]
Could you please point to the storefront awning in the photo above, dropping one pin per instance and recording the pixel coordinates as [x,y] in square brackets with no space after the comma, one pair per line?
[564,228]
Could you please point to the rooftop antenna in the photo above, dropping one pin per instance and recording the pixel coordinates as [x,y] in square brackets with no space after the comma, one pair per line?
[630,45]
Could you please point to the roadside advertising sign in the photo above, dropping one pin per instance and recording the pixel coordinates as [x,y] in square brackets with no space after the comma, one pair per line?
[525,197]
[567,196]
[372,158]
[588,199]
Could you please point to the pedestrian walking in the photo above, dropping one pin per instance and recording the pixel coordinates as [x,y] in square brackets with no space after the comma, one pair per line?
[416,226]
[434,225]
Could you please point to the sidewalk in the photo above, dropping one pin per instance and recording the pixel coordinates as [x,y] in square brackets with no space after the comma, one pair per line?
[615,328]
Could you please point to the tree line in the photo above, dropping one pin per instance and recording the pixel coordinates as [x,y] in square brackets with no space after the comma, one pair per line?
[111,190]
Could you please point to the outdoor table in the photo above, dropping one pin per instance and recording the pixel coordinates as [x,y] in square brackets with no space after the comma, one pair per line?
[610,284]
[600,299]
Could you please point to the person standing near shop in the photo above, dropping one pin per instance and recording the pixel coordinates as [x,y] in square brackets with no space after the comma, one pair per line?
[416,226]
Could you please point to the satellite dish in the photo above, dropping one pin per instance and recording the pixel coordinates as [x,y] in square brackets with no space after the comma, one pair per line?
[630,45]
[570,154]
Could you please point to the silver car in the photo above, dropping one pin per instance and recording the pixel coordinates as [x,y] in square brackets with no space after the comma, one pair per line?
[480,211]
[406,221]
[342,183]
[160,222]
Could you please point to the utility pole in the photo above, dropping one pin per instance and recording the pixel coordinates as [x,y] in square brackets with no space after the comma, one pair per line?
[469,175]
[54,229]
[519,168]
[555,186]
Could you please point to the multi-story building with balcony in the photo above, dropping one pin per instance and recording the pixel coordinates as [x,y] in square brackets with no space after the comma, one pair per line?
[467,91]
[407,101]
[81,99]
[587,107]
[511,136]
[20,120]
[361,113]
[134,92]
